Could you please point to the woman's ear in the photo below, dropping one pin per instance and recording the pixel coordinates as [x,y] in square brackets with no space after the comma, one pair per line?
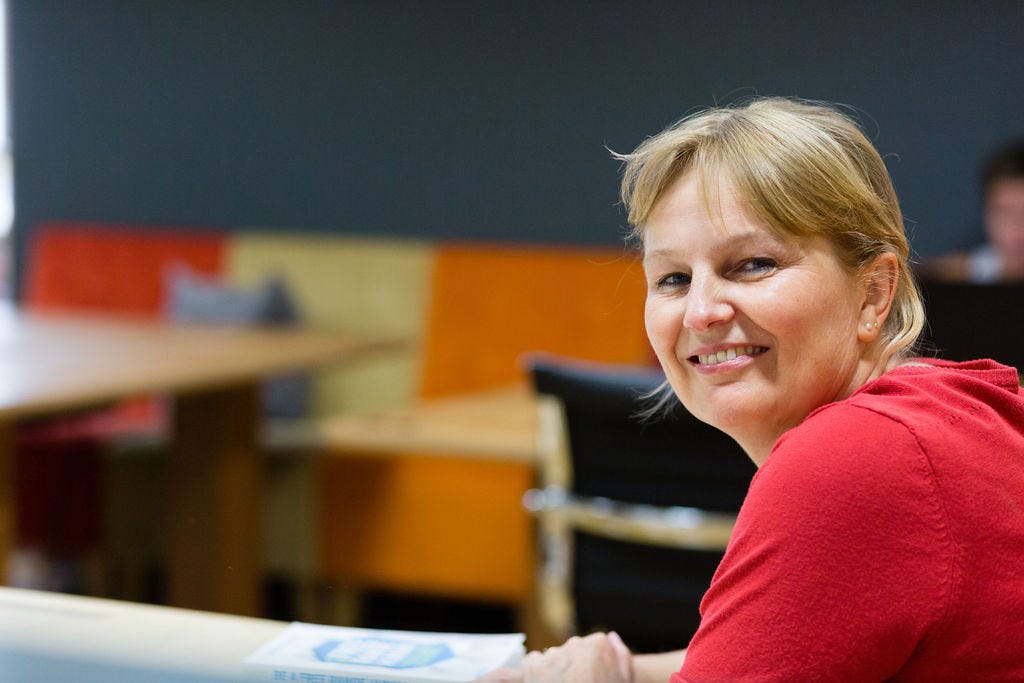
[881,277]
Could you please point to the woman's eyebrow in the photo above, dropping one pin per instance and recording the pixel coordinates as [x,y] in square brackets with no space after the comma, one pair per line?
[753,236]
[664,252]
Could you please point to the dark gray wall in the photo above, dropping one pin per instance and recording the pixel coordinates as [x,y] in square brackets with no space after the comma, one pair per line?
[483,120]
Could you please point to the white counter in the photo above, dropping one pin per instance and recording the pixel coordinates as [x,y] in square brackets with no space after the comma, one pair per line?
[57,638]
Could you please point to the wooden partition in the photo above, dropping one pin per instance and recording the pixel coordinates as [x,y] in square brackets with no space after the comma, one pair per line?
[374,288]
[455,526]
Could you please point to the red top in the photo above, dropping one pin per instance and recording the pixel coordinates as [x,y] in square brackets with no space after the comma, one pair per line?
[883,539]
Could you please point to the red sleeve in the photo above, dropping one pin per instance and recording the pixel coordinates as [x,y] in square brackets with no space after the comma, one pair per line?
[840,561]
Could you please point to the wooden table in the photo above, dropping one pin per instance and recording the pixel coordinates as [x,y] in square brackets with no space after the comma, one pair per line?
[57,363]
[495,424]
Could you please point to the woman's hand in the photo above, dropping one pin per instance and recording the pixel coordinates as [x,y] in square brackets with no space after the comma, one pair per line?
[597,658]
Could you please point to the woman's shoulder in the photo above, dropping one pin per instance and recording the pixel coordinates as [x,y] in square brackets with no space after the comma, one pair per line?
[913,425]
[842,442]
[863,448]
[928,397]
[847,474]
[942,402]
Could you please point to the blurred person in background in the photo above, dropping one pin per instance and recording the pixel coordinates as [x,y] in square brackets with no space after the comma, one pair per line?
[1001,257]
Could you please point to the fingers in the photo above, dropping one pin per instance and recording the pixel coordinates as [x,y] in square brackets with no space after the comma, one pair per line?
[622,654]
[502,676]
[548,666]
[610,657]
[596,658]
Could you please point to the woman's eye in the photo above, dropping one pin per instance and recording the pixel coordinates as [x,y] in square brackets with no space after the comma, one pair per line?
[673,280]
[757,266]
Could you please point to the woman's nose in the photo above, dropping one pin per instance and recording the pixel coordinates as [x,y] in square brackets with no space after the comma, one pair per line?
[706,305]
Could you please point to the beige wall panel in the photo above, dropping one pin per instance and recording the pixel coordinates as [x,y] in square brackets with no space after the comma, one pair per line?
[370,286]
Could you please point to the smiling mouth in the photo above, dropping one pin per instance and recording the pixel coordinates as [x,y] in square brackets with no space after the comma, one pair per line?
[727,354]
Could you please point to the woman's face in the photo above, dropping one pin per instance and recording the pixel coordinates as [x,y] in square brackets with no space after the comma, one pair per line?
[753,331]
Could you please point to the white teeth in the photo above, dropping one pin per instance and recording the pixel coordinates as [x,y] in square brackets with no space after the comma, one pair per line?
[724,355]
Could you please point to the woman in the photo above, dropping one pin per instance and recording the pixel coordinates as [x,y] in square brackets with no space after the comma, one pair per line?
[883,535]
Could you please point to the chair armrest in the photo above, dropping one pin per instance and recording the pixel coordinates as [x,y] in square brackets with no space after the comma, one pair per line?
[676,527]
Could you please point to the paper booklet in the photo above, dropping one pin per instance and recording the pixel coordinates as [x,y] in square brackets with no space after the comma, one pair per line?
[342,654]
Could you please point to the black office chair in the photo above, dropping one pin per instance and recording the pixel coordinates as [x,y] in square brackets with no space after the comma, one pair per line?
[634,515]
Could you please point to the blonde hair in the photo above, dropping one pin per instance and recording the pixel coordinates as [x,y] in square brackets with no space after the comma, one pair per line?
[806,169]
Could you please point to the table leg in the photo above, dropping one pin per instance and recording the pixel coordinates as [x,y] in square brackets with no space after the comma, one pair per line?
[214,509]
[7,500]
